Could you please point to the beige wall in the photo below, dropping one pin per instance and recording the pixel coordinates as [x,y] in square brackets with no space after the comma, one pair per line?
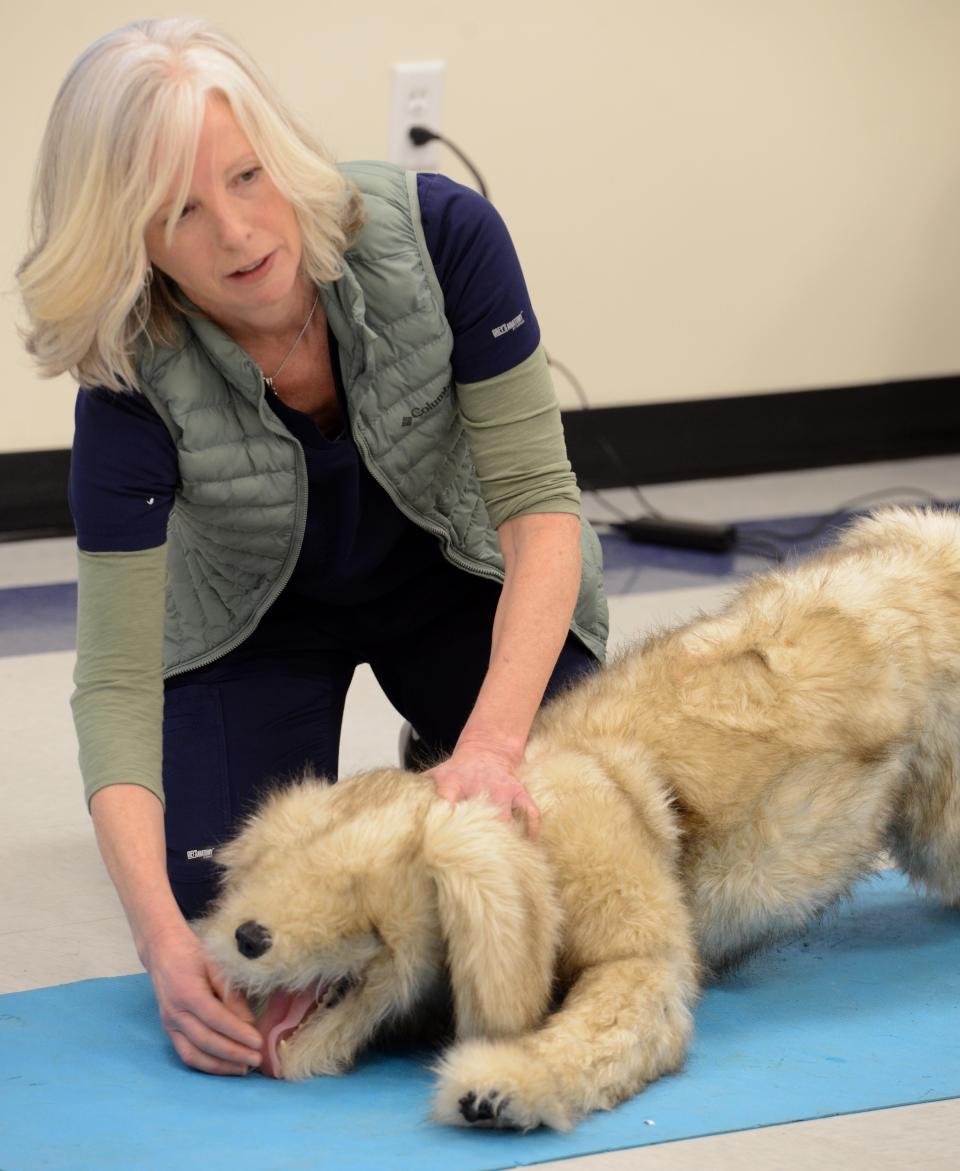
[710,197]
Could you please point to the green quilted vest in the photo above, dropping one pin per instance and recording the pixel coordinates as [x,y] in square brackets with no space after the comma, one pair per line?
[238,521]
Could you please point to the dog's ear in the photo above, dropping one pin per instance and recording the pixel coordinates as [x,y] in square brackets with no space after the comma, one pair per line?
[499,915]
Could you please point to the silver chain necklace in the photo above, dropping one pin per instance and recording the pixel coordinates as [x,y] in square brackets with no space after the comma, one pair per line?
[276,374]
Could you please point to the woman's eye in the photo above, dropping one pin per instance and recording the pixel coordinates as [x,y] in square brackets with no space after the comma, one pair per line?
[248,176]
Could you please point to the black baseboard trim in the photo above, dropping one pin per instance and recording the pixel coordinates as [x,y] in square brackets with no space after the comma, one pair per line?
[655,443]
[33,495]
[660,443]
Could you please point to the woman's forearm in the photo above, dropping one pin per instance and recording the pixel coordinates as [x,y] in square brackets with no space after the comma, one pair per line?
[541,555]
[129,824]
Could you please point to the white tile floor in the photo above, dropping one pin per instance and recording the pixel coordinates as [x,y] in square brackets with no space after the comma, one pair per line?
[60,920]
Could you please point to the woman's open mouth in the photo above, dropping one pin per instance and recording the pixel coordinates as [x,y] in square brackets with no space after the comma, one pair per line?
[253,272]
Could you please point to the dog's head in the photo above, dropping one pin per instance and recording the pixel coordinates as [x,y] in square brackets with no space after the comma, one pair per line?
[341,905]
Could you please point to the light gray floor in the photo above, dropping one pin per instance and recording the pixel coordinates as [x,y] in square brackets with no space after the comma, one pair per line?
[60,920]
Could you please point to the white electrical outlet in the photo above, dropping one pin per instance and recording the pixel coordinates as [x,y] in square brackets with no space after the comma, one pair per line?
[415,101]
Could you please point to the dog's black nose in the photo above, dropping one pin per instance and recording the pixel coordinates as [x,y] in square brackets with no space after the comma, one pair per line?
[253,939]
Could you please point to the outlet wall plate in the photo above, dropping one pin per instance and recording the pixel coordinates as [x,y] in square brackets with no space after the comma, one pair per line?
[415,99]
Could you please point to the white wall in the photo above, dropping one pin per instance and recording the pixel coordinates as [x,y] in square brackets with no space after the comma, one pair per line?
[710,197]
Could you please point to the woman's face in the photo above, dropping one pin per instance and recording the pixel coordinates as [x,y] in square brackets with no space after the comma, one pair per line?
[234,217]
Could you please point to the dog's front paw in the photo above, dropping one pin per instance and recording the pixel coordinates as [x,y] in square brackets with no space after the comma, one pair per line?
[307,1057]
[327,1043]
[497,1084]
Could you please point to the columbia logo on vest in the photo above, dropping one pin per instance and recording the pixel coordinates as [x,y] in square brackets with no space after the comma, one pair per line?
[407,420]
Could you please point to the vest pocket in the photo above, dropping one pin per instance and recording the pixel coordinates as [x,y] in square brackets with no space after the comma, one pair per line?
[195,782]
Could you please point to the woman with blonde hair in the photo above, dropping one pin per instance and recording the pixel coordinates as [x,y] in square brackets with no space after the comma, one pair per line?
[315,427]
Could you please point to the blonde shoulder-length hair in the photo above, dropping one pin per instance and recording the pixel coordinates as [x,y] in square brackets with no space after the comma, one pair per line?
[124,125]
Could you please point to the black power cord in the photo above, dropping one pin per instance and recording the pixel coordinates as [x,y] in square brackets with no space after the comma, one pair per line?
[653,527]
[657,529]
[610,452]
[849,506]
[769,536]
[421,135]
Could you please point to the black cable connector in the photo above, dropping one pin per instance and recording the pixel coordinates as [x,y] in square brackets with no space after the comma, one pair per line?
[421,135]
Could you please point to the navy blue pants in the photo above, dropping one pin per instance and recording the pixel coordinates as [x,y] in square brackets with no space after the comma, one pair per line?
[272,708]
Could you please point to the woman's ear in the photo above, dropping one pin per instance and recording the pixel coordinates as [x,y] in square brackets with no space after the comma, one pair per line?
[499,915]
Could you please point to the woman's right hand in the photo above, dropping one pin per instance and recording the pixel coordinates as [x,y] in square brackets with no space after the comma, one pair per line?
[210,1026]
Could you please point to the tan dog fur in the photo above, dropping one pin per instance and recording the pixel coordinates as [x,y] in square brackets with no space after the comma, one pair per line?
[716,786]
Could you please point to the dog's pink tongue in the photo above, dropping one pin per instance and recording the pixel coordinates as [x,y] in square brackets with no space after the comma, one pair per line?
[284,1012]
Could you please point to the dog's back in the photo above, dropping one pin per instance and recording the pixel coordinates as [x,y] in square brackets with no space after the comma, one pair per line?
[813,722]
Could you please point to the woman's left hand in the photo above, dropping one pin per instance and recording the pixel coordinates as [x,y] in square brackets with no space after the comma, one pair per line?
[474,771]
[541,558]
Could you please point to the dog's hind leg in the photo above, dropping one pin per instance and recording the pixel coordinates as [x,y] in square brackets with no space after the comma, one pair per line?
[924,836]
[790,855]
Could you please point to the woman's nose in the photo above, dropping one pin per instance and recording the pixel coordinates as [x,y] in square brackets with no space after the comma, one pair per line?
[231,226]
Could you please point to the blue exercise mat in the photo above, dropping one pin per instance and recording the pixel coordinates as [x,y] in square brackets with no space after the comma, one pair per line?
[861,1013]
